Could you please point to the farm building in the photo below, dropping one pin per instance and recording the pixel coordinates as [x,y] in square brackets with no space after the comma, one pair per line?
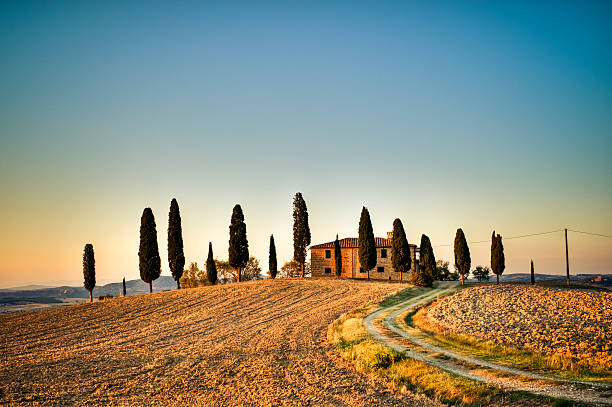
[322,260]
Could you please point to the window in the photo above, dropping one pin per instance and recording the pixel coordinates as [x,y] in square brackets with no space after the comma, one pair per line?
[328,254]
[327,270]
[383,253]
[380,269]
[361,270]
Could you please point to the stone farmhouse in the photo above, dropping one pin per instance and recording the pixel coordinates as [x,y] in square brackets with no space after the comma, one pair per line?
[322,260]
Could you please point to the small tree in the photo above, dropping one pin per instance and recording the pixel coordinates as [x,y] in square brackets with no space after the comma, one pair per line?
[124,290]
[238,244]
[293,269]
[272,264]
[498,260]
[176,257]
[481,273]
[532,274]
[463,261]
[192,276]
[211,267]
[148,253]
[252,270]
[338,257]
[427,266]
[367,243]
[89,270]
[401,258]
[301,230]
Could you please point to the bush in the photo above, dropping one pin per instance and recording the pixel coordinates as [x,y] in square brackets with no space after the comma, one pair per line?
[481,273]
[105,297]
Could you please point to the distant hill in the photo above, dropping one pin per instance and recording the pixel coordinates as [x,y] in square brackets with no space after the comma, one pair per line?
[61,295]
[599,279]
[26,288]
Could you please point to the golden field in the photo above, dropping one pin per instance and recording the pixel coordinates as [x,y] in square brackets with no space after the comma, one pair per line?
[255,343]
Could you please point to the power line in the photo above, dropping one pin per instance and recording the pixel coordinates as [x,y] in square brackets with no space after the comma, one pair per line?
[511,237]
[589,233]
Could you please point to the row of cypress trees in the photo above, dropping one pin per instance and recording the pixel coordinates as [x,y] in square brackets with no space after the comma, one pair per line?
[149,261]
[401,257]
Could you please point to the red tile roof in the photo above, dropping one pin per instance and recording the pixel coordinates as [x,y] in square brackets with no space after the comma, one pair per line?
[353,242]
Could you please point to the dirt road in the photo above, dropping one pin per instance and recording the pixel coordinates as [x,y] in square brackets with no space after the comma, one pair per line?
[256,343]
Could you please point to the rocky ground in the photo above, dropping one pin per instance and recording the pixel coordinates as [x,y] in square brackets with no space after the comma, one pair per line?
[572,323]
[257,343]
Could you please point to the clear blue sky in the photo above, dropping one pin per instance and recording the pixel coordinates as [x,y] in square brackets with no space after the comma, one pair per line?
[481,115]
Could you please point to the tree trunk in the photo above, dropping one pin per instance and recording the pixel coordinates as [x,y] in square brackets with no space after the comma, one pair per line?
[150,287]
[401,277]
[461,278]
[368,274]
[497,275]
[239,275]
[90,296]
[302,269]
[178,284]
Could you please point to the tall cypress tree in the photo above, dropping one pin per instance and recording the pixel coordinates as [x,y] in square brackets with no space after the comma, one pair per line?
[338,257]
[272,264]
[367,243]
[401,257]
[498,260]
[123,288]
[427,265]
[176,257]
[463,261]
[89,270]
[148,254]
[301,230]
[532,274]
[238,243]
[211,266]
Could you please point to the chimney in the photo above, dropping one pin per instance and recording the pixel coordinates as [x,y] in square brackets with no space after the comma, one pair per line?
[390,235]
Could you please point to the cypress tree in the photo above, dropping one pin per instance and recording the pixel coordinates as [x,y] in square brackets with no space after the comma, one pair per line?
[176,257]
[238,244]
[498,260]
[367,243]
[124,290]
[89,270]
[338,257]
[401,257]
[462,255]
[427,265]
[301,230]
[272,264]
[211,266]
[148,253]
[532,274]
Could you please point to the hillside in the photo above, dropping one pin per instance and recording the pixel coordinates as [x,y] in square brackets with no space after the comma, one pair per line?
[256,343]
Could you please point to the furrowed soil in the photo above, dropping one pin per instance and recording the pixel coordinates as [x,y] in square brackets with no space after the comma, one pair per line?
[569,323]
[255,343]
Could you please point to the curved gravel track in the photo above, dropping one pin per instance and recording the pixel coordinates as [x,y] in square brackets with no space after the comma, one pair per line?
[427,353]
[256,343]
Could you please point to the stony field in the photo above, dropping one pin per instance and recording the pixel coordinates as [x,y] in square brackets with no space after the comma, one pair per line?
[569,323]
[257,343]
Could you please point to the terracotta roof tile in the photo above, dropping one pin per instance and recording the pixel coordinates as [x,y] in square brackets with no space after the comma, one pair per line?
[353,242]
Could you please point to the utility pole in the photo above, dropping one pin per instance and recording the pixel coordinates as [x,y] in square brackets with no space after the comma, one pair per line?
[566,259]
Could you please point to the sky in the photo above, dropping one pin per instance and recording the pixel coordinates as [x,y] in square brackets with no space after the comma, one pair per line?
[480,115]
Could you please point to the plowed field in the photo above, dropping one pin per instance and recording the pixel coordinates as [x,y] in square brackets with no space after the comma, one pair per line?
[255,343]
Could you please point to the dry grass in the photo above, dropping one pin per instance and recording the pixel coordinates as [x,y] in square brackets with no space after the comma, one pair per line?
[257,343]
